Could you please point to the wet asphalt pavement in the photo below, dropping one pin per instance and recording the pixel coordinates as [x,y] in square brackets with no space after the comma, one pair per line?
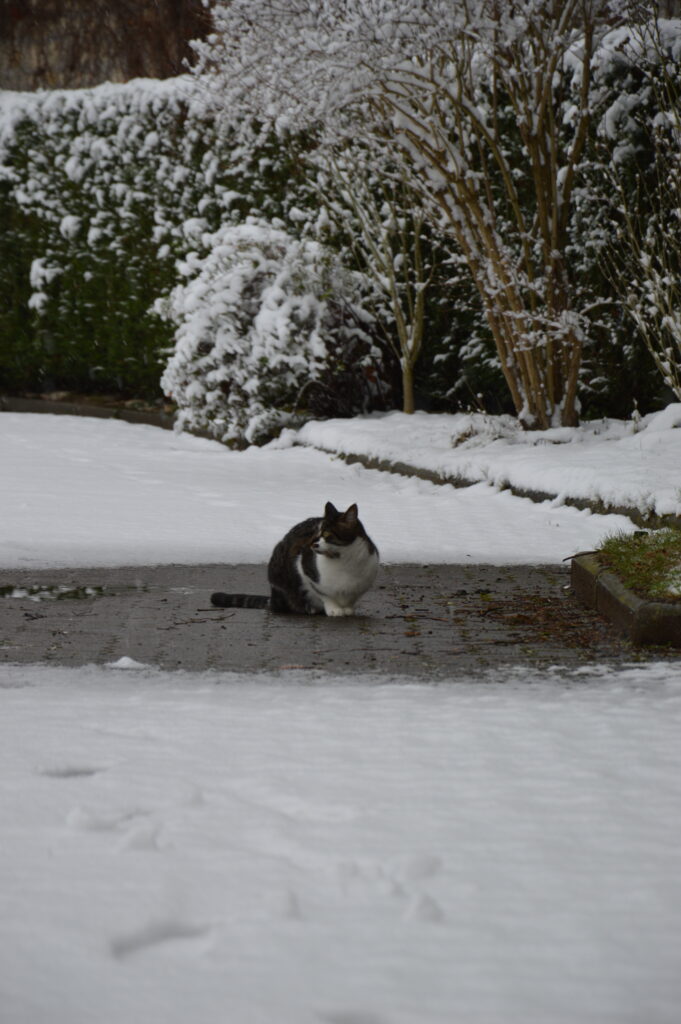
[419,621]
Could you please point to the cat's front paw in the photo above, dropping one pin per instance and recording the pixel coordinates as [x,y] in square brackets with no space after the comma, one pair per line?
[335,610]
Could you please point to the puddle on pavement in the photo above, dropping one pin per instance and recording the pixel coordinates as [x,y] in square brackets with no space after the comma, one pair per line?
[53,593]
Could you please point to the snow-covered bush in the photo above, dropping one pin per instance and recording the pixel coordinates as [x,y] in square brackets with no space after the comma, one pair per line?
[267,326]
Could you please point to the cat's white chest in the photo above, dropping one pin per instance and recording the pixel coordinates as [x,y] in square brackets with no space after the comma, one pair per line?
[344,575]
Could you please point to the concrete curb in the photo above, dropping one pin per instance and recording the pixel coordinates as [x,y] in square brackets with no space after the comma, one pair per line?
[66,408]
[644,622]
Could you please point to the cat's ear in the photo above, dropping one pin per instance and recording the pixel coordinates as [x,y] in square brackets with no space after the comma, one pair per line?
[351,515]
[330,511]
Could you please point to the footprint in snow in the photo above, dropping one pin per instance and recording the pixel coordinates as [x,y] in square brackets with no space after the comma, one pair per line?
[71,772]
[144,835]
[91,821]
[156,934]
[424,908]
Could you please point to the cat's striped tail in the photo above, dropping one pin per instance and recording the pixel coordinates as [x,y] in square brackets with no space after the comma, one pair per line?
[221,600]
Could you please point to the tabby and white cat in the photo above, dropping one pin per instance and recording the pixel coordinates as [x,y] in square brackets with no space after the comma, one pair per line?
[322,565]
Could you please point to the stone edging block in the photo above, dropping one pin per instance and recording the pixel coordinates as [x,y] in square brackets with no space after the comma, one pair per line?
[645,622]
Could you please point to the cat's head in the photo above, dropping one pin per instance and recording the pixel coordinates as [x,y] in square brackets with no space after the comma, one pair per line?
[337,529]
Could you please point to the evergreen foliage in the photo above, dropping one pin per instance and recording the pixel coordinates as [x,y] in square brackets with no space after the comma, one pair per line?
[102,192]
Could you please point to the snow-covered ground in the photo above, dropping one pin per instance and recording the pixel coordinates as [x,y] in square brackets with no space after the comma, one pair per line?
[636,464]
[305,849]
[262,850]
[101,492]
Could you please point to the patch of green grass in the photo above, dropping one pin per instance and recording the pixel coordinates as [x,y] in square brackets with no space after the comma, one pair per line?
[648,562]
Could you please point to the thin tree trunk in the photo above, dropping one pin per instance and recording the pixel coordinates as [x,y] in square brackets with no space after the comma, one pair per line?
[407,387]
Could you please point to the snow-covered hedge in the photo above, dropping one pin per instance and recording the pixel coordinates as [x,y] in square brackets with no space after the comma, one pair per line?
[101,192]
[265,324]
